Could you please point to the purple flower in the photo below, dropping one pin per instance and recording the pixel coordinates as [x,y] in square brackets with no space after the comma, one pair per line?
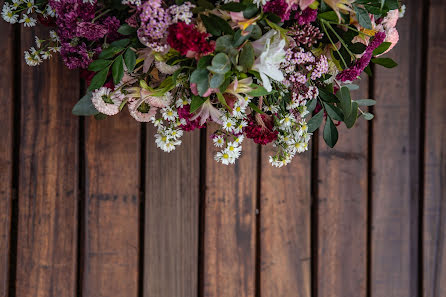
[91,31]
[76,56]
[278,7]
[306,16]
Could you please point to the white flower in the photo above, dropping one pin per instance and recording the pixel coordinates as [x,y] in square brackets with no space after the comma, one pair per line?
[286,121]
[8,15]
[239,127]
[165,143]
[271,108]
[104,101]
[46,55]
[233,149]
[169,114]
[30,6]
[89,1]
[239,139]
[260,2]
[303,128]
[238,111]
[38,41]
[53,36]
[32,59]
[224,157]
[218,141]
[27,21]
[182,101]
[228,124]
[271,55]
[50,11]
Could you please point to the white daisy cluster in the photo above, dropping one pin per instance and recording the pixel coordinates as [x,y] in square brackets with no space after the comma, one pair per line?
[169,131]
[21,10]
[293,135]
[43,50]
[231,134]
[132,2]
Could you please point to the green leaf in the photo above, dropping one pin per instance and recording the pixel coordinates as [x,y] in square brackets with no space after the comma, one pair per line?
[198,75]
[255,107]
[330,133]
[363,17]
[211,27]
[315,121]
[351,119]
[328,97]
[233,6]
[311,105]
[220,64]
[223,25]
[368,71]
[357,48]
[333,111]
[250,11]
[222,100]
[223,43]
[352,87]
[196,103]
[204,62]
[121,44]
[130,59]
[368,116]
[98,65]
[345,100]
[84,107]
[109,52]
[205,4]
[216,80]
[125,29]
[239,38]
[118,70]
[386,62]
[246,58]
[99,79]
[258,91]
[365,102]
[329,16]
[100,116]
[381,48]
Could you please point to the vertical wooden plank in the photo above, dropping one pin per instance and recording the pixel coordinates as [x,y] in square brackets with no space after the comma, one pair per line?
[342,211]
[434,232]
[285,224]
[171,229]
[229,231]
[112,207]
[47,223]
[395,191]
[6,142]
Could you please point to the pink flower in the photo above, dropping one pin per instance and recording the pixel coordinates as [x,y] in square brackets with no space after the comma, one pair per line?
[302,3]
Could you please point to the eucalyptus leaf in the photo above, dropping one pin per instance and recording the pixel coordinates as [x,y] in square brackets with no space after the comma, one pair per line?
[333,111]
[84,107]
[368,116]
[363,17]
[351,118]
[365,102]
[246,58]
[220,64]
[315,121]
[345,101]
[330,133]
[216,80]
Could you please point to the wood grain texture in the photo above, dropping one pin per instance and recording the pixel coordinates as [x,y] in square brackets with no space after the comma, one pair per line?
[395,182]
[230,218]
[47,222]
[6,154]
[285,210]
[112,208]
[171,215]
[342,210]
[434,226]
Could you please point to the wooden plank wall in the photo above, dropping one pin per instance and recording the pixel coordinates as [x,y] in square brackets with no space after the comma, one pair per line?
[93,208]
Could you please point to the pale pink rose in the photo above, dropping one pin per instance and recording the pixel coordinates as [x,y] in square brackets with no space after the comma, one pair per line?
[391,19]
[393,37]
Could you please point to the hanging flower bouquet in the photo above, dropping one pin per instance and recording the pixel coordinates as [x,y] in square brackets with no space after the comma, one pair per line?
[272,71]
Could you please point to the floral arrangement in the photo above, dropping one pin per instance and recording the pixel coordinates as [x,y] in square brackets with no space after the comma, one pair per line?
[269,70]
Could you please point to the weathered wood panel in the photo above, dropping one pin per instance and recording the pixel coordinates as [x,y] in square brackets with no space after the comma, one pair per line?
[47,222]
[285,211]
[342,191]
[112,207]
[395,187]
[230,219]
[171,218]
[6,154]
[434,231]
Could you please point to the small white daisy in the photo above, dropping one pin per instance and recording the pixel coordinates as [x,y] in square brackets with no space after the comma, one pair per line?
[218,141]
[27,21]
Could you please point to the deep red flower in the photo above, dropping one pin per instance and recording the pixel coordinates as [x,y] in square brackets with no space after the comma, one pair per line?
[184,113]
[261,133]
[188,40]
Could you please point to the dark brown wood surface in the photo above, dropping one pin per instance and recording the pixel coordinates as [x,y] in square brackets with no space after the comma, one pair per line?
[171,218]
[285,226]
[434,214]
[395,164]
[111,241]
[101,212]
[48,179]
[6,150]
[230,223]
[342,199]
